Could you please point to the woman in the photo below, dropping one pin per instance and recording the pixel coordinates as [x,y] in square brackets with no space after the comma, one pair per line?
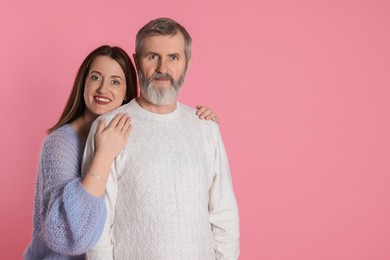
[69,212]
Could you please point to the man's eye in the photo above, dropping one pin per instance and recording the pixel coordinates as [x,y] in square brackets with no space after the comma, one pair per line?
[153,57]
[174,58]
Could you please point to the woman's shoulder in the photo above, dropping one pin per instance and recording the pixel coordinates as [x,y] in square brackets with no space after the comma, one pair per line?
[66,130]
[63,136]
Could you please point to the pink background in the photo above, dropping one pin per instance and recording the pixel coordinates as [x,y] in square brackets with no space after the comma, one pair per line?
[302,89]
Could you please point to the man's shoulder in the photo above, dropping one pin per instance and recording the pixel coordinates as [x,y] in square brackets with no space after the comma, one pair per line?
[185,109]
[189,114]
[124,109]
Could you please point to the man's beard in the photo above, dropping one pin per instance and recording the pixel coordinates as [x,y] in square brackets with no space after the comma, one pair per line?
[160,95]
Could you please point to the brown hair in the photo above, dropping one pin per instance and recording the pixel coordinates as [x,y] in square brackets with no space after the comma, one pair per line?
[162,26]
[75,105]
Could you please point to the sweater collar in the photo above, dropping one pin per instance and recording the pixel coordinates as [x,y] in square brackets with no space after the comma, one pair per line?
[172,115]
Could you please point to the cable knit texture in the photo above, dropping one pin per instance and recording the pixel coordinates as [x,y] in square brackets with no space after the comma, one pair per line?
[169,192]
[67,219]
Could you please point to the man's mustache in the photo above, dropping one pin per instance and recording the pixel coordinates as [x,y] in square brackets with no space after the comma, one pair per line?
[157,75]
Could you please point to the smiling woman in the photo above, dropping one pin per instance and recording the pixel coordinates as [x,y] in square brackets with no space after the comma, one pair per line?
[70,211]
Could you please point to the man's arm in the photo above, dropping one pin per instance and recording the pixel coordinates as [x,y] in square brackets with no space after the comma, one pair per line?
[223,208]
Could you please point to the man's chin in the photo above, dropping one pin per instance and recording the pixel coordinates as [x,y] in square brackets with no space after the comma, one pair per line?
[161,85]
[160,101]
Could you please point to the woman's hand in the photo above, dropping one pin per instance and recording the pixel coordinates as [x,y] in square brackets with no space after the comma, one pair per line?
[206,113]
[110,140]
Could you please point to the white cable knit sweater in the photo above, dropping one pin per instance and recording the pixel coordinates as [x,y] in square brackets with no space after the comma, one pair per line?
[169,192]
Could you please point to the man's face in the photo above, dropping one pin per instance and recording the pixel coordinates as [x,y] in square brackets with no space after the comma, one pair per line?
[161,68]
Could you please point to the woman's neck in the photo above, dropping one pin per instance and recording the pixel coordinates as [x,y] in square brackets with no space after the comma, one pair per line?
[82,125]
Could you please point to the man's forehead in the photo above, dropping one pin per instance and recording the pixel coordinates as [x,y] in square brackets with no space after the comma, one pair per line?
[164,43]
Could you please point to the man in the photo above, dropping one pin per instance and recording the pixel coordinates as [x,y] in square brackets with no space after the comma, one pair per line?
[169,192]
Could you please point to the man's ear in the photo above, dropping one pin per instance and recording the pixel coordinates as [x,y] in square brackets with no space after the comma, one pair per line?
[189,62]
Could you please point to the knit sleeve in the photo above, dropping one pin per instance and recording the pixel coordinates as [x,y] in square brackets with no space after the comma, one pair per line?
[73,219]
[223,209]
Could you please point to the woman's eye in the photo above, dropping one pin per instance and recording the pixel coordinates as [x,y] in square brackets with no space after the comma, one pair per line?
[94,77]
[115,82]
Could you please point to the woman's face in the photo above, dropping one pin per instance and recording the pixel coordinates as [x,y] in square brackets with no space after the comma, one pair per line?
[105,86]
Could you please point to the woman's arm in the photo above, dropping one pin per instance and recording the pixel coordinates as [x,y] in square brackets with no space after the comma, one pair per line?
[109,142]
[74,208]
[71,219]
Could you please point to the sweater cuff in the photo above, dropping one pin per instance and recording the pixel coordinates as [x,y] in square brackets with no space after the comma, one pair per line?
[83,196]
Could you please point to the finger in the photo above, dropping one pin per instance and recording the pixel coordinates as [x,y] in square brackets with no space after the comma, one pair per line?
[201,113]
[128,129]
[208,114]
[124,119]
[200,109]
[114,121]
[101,126]
[215,119]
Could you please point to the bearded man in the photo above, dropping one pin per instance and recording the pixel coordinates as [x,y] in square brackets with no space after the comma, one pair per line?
[169,192]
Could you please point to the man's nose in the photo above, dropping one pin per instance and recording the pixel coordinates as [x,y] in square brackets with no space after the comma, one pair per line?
[162,66]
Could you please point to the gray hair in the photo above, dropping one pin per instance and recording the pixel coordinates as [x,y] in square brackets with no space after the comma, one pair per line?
[162,26]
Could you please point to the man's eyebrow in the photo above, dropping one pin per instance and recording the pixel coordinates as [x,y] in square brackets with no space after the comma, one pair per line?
[151,52]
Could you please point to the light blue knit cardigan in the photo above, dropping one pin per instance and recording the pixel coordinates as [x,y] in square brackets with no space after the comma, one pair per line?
[67,219]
